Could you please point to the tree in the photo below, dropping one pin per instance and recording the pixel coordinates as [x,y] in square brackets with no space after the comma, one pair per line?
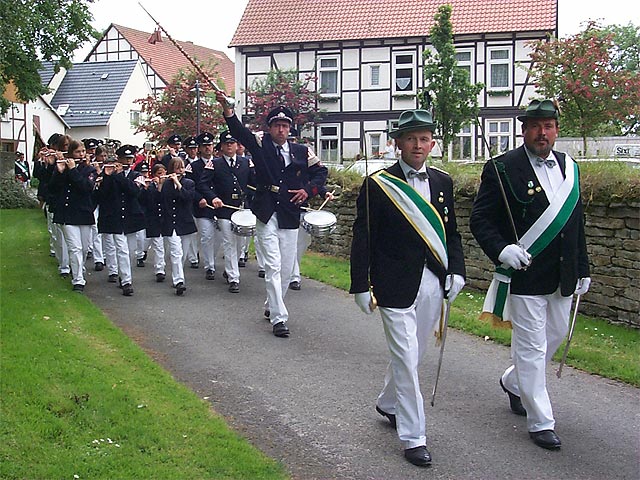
[39,30]
[283,87]
[174,110]
[594,91]
[447,86]
[626,46]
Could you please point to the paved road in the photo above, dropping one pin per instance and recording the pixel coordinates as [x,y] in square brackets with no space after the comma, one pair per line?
[308,400]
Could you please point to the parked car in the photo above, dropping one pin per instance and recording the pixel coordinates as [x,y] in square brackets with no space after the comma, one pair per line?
[361,167]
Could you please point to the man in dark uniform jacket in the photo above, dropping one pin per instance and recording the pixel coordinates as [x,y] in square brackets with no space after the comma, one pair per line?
[174,144]
[543,275]
[224,185]
[410,254]
[284,181]
[134,214]
[205,217]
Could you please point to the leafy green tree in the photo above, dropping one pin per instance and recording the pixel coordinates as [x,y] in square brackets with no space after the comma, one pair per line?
[447,86]
[39,30]
[594,89]
[283,87]
[174,110]
[626,46]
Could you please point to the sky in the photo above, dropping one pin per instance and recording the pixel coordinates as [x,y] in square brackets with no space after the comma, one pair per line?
[212,24]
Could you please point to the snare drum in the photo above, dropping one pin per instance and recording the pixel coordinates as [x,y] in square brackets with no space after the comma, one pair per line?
[243,223]
[319,223]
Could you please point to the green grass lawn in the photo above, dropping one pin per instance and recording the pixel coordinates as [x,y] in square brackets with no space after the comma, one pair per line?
[597,346]
[78,397]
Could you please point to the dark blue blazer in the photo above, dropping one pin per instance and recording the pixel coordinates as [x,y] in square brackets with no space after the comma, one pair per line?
[396,255]
[134,220]
[565,258]
[177,208]
[152,206]
[112,197]
[72,192]
[270,172]
[226,183]
[197,170]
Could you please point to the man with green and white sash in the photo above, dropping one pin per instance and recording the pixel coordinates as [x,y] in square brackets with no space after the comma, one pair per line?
[407,251]
[540,265]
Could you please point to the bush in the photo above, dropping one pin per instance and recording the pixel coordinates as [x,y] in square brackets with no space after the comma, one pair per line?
[12,195]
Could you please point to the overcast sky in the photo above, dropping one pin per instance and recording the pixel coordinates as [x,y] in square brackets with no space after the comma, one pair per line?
[212,24]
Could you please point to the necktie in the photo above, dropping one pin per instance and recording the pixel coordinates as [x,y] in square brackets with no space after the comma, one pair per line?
[280,155]
[549,163]
[420,175]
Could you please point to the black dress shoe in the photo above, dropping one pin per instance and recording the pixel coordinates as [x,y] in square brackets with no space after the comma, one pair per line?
[144,256]
[390,416]
[514,401]
[261,273]
[419,456]
[210,275]
[127,290]
[98,267]
[546,439]
[294,285]
[113,278]
[280,329]
[267,314]
[78,288]
[180,288]
[64,275]
[194,265]
[225,276]
[241,263]
[234,287]
[160,277]
[140,262]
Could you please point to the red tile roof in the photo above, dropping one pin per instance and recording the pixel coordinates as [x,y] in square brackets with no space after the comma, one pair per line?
[166,60]
[298,21]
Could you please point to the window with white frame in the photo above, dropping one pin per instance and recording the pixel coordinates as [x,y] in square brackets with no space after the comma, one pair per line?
[499,68]
[499,136]
[374,75]
[374,145]
[328,75]
[404,72]
[462,144]
[329,142]
[134,117]
[464,59]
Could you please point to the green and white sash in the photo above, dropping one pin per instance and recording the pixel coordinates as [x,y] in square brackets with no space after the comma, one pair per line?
[534,241]
[422,216]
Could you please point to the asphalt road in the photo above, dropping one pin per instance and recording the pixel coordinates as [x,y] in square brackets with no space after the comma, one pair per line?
[308,401]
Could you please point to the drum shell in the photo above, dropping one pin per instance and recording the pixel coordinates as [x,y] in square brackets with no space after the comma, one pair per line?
[243,223]
[319,223]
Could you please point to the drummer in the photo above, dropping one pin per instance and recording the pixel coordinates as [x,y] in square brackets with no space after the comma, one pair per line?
[223,187]
[284,182]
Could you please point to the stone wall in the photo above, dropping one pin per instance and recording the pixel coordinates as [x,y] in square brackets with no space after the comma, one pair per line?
[613,243]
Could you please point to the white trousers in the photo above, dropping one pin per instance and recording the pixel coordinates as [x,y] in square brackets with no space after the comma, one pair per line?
[96,240]
[136,241]
[207,230]
[190,247]
[59,245]
[304,240]
[540,323]
[109,252]
[243,246]
[52,247]
[77,238]
[277,247]
[116,247]
[173,244]
[408,331]
[230,249]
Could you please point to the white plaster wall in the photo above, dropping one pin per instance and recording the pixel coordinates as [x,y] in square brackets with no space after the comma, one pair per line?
[372,101]
[381,54]
[351,101]
[350,58]
[351,129]
[258,64]
[285,61]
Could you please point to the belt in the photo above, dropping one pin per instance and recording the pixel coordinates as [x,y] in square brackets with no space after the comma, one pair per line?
[269,188]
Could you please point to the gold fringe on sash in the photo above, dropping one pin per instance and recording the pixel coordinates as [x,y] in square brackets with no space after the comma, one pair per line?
[495,320]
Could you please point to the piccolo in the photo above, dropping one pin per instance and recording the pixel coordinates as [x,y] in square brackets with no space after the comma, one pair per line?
[179,175]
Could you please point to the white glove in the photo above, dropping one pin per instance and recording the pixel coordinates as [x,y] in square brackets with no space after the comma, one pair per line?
[515,256]
[363,300]
[582,286]
[452,285]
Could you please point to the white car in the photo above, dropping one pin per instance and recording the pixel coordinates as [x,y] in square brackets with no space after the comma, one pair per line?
[363,167]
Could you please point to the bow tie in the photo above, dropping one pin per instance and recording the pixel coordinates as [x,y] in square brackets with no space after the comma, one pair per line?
[550,162]
[420,175]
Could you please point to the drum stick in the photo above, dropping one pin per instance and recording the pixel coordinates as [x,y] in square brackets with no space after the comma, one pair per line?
[326,200]
[224,205]
[251,187]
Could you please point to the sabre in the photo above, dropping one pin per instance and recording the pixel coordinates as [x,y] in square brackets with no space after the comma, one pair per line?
[566,347]
[444,339]
[230,101]
[502,190]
